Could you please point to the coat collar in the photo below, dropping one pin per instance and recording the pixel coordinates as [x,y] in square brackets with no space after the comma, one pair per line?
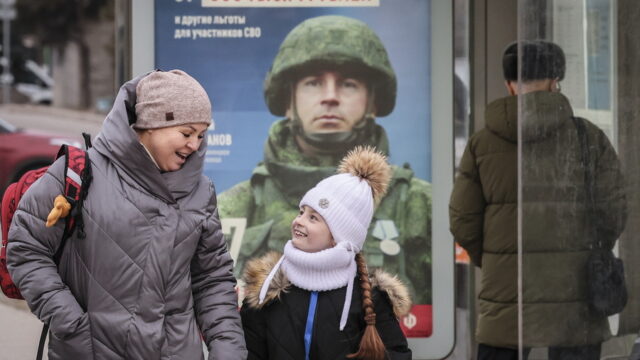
[295,173]
[257,270]
[542,113]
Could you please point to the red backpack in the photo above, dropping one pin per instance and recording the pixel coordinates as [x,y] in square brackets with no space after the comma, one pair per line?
[77,174]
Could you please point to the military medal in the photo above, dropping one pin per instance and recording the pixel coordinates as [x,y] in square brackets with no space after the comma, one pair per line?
[390,247]
[386,231]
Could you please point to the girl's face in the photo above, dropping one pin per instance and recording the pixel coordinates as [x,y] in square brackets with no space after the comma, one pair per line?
[171,146]
[309,231]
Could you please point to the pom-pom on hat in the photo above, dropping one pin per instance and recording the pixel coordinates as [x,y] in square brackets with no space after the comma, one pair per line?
[347,200]
[170,98]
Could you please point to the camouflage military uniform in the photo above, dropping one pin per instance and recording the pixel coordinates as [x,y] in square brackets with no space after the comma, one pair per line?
[259,212]
[269,202]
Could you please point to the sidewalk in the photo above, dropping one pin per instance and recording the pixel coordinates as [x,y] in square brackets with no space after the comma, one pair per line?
[20,330]
[46,118]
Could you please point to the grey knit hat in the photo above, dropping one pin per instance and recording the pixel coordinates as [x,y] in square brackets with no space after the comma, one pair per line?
[170,98]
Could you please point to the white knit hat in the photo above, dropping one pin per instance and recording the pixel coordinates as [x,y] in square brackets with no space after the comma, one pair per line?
[346,201]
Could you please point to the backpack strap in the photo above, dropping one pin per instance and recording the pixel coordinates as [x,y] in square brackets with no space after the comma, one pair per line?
[43,338]
[77,178]
[589,173]
[87,140]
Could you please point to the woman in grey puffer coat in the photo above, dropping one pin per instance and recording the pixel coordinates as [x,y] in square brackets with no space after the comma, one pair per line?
[152,277]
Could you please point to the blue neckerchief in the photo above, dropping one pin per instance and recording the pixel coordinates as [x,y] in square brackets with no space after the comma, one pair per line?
[308,330]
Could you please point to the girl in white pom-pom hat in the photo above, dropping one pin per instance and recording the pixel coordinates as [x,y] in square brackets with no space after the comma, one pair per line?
[303,304]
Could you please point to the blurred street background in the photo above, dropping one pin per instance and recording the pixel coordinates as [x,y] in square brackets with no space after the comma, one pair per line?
[57,80]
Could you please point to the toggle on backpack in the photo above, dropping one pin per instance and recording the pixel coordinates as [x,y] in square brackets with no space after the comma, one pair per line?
[77,175]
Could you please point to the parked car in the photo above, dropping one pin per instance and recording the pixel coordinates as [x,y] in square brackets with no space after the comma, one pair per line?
[24,150]
[37,86]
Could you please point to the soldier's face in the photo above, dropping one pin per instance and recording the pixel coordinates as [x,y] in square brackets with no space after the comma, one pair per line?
[329,101]
[309,231]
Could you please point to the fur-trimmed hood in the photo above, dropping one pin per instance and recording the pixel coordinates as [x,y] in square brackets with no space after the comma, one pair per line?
[257,270]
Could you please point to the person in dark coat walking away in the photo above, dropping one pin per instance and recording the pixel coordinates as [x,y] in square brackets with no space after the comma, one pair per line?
[151,277]
[303,304]
[557,238]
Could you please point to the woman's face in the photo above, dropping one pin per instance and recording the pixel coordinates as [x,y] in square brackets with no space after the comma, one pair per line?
[171,146]
[309,231]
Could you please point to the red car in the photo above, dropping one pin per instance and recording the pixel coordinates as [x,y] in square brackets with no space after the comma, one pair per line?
[23,150]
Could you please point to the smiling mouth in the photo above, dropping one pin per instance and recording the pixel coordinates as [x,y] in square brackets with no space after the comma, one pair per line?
[182,155]
[299,233]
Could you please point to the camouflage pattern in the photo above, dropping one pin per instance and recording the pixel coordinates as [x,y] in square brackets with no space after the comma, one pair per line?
[331,42]
[269,202]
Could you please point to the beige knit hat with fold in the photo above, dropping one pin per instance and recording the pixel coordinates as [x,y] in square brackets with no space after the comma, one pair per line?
[170,98]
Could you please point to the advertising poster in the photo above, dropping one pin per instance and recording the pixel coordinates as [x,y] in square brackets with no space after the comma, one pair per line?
[264,152]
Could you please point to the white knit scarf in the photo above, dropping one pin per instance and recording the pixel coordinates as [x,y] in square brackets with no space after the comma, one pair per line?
[324,270]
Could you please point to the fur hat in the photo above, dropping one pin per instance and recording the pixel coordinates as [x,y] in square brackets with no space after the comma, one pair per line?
[347,200]
[170,98]
[540,60]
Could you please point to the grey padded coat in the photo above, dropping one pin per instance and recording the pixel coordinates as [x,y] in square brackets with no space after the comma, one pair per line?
[153,273]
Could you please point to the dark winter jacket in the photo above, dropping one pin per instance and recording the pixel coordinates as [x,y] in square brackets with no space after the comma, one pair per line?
[275,329]
[153,272]
[556,232]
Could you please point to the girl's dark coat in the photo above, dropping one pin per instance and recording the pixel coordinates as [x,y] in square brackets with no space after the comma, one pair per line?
[275,329]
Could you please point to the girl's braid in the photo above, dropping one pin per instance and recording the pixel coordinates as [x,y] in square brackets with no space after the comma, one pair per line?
[371,346]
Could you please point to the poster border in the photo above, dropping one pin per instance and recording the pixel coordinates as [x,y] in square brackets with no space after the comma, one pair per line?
[441,342]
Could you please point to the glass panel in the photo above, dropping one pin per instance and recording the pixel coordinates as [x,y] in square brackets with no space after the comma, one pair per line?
[235,50]
[462,77]
[461,101]
[576,174]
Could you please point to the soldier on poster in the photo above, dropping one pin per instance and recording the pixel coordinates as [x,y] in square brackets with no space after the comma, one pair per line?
[330,79]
